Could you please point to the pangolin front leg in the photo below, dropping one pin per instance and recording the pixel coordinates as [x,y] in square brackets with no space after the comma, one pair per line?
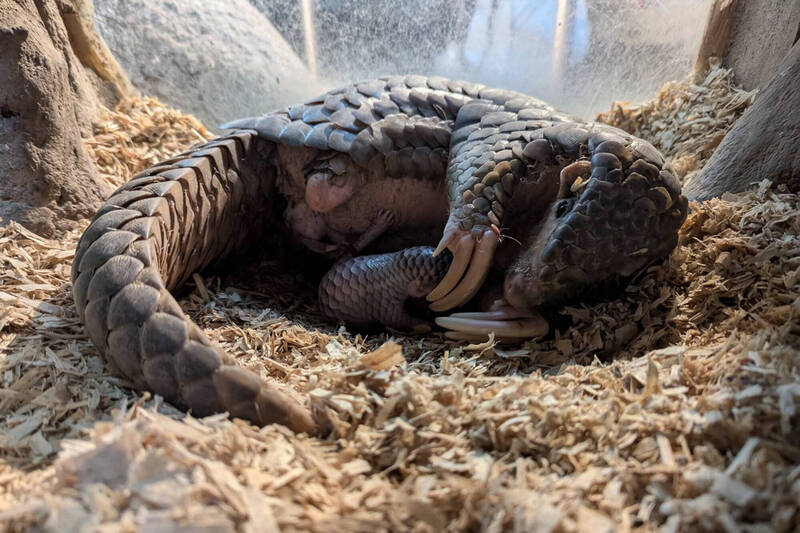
[493,148]
[486,162]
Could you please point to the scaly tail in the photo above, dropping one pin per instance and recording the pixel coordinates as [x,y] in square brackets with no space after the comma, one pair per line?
[149,237]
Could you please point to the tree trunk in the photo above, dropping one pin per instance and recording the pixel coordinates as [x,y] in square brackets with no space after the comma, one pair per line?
[715,37]
[762,33]
[763,144]
[47,102]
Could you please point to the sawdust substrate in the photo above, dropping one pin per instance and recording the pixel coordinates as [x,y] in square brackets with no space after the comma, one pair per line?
[671,406]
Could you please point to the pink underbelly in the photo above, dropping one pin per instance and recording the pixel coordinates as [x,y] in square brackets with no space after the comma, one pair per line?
[419,207]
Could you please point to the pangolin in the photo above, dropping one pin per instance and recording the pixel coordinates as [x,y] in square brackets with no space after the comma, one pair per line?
[414,187]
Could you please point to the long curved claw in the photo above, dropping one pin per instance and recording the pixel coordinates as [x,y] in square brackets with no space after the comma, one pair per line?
[504,324]
[464,337]
[517,328]
[461,258]
[507,313]
[480,262]
[447,238]
[569,175]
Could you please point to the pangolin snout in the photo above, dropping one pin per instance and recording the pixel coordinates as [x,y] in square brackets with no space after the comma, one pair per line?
[539,273]
[528,286]
[514,291]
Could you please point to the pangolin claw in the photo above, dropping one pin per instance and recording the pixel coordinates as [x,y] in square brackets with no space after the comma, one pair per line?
[464,337]
[506,324]
[569,174]
[444,243]
[462,253]
[480,259]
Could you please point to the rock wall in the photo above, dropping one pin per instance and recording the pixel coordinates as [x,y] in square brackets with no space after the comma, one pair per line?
[218,60]
[47,101]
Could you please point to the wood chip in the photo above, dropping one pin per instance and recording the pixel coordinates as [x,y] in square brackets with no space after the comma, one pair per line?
[385,357]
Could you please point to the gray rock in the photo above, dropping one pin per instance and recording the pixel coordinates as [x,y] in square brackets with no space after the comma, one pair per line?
[217,60]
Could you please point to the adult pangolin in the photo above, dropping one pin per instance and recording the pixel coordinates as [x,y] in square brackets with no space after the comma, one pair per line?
[373,175]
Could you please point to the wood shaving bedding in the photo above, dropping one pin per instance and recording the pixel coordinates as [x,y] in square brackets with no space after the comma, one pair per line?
[672,406]
[685,121]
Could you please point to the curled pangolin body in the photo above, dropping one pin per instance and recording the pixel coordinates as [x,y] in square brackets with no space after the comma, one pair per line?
[220,198]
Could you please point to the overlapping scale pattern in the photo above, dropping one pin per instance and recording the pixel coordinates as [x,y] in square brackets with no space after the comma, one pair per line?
[149,236]
[373,288]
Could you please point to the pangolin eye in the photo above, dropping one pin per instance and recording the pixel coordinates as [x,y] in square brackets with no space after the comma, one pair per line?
[562,208]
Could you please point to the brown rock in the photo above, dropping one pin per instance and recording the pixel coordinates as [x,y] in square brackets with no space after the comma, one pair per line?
[47,102]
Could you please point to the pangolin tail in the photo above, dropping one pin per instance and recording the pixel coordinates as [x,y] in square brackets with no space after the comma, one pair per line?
[147,239]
